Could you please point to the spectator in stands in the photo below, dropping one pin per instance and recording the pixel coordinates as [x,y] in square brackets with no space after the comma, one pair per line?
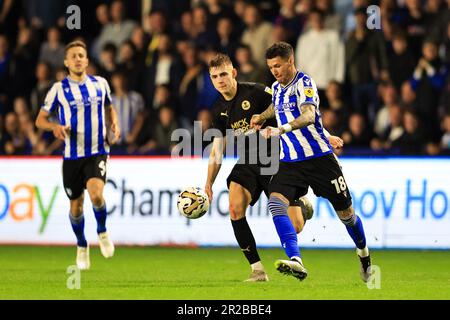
[52,51]
[291,22]
[415,22]
[15,141]
[129,64]
[332,123]
[389,98]
[203,35]
[428,81]
[129,106]
[358,135]
[255,33]
[119,29]
[335,102]
[25,59]
[157,25]
[401,60]
[161,138]
[392,132]
[107,63]
[332,20]
[366,63]
[226,42]
[166,69]
[414,139]
[408,96]
[43,85]
[248,69]
[320,53]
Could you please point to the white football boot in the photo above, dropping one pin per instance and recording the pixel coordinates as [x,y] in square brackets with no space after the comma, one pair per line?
[293,267]
[106,245]
[83,260]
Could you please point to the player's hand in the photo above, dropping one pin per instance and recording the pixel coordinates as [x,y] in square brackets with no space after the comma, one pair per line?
[256,122]
[268,132]
[115,129]
[336,142]
[61,132]
[209,192]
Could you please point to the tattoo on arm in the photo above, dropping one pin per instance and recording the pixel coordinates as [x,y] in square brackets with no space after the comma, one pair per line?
[269,113]
[306,118]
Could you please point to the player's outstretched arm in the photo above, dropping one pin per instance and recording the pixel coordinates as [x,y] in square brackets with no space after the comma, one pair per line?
[258,120]
[306,118]
[42,122]
[215,162]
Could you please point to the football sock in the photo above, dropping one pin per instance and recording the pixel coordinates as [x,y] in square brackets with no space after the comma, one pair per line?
[245,239]
[257,266]
[285,229]
[355,230]
[78,228]
[100,216]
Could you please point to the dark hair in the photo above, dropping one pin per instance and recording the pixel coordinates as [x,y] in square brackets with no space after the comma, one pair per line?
[280,49]
[74,44]
[110,47]
[219,60]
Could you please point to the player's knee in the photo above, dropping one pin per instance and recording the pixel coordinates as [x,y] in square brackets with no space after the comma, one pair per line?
[347,216]
[237,211]
[96,198]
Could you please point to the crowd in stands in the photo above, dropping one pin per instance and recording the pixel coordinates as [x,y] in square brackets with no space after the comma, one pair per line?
[384,91]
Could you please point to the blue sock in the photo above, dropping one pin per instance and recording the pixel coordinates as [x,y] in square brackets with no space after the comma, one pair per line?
[356,231]
[100,216]
[285,229]
[78,229]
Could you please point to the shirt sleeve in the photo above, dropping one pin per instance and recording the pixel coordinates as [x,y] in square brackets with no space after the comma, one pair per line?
[108,100]
[51,100]
[307,92]
[219,120]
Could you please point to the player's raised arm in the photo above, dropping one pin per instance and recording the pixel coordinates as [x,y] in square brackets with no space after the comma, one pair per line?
[258,120]
[42,122]
[215,162]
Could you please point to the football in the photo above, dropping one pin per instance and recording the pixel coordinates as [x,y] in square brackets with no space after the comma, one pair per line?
[193,202]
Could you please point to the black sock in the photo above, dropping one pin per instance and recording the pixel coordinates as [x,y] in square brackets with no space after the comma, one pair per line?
[245,239]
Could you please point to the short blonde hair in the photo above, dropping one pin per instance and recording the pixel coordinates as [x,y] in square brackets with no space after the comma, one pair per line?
[219,60]
[73,44]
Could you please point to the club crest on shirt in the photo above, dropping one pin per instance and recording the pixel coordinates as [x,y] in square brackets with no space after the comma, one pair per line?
[245,105]
[309,92]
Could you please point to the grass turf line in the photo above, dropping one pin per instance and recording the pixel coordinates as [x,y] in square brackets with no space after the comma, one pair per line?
[216,274]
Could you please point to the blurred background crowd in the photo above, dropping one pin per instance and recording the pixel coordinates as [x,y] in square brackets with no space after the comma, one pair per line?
[383,91]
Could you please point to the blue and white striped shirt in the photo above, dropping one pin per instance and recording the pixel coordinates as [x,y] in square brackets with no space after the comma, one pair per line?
[82,106]
[308,142]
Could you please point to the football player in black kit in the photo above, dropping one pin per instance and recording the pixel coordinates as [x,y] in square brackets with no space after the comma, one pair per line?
[233,110]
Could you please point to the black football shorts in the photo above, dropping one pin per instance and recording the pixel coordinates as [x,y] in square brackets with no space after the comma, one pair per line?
[76,173]
[322,174]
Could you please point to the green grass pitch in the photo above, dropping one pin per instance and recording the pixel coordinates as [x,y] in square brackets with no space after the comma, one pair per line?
[216,274]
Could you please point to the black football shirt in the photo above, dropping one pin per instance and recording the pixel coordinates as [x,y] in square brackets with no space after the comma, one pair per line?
[234,116]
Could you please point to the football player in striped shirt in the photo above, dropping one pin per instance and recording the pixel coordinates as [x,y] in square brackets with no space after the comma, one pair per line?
[87,125]
[306,159]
